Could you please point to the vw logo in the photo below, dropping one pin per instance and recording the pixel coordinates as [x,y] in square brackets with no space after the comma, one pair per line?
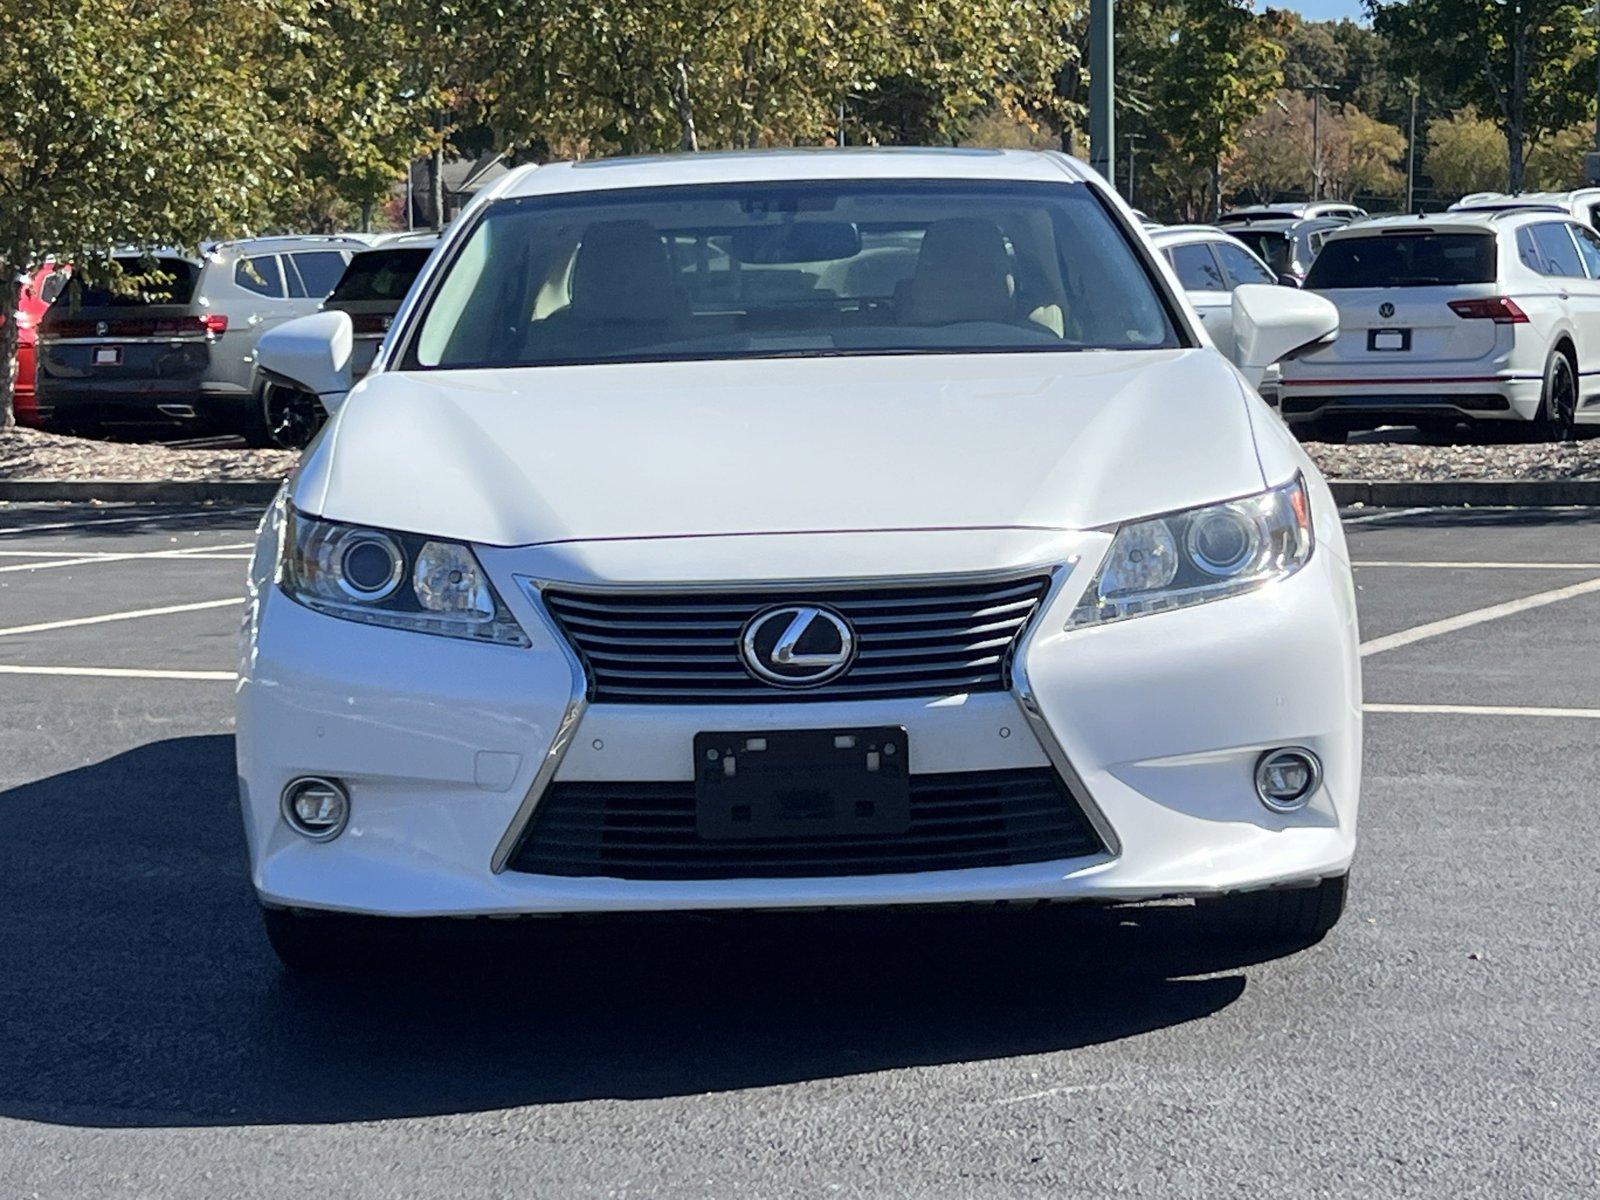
[1386,310]
[797,645]
[101,328]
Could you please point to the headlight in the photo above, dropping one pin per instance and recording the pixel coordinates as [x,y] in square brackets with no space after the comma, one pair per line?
[399,580]
[1200,554]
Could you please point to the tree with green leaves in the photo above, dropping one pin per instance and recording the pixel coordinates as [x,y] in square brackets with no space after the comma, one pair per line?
[127,122]
[1193,73]
[1528,65]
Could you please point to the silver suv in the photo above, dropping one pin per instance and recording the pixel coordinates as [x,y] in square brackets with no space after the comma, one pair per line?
[178,349]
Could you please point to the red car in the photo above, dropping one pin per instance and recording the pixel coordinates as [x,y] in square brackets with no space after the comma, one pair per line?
[38,290]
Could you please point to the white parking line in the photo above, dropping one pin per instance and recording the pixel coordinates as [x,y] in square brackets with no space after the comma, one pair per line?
[1477,616]
[201,552]
[147,517]
[130,615]
[1483,710]
[1387,514]
[1442,564]
[118,673]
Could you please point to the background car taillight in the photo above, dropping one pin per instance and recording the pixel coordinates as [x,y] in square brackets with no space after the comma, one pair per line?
[1502,310]
[210,325]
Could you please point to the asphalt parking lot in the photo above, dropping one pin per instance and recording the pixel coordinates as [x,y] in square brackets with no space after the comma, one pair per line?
[1443,1041]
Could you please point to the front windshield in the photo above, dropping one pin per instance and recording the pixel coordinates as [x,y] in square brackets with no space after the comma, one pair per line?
[760,270]
[1272,245]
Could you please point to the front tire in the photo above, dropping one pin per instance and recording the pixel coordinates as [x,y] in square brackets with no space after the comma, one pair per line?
[283,417]
[1297,917]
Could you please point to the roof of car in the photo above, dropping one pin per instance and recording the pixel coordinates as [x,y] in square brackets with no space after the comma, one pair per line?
[1461,221]
[420,238]
[290,241]
[1173,233]
[749,166]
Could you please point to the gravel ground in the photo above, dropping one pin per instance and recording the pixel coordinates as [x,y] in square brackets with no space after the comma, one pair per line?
[31,454]
[1393,458]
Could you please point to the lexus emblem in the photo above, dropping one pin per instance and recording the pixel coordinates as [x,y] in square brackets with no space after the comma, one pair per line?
[101,328]
[1386,310]
[797,645]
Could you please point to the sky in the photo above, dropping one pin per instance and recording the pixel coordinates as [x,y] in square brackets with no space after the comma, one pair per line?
[1319,10]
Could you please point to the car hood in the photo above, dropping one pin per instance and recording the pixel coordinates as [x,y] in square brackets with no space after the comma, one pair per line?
[1001,441]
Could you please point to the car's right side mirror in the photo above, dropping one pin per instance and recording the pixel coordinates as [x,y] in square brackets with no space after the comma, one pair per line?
[313,353]
[1273,323]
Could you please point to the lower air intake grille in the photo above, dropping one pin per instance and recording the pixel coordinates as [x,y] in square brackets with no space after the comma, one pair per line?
[647,831]
[683,647]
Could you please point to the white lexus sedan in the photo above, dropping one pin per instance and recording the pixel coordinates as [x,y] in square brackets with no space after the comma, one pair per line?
[796,529]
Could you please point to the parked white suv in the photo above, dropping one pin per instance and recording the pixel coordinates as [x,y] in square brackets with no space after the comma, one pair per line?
[1581,204]
[1210,264]
[1465,316]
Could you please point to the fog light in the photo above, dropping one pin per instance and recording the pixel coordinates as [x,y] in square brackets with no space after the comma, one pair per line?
[1286,778]
[316,808]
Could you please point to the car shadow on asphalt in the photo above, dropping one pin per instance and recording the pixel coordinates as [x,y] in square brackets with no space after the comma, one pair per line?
[137,988]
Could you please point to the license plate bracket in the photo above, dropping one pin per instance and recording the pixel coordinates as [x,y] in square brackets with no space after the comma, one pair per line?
[1391,340]
[108,356]
[802,783]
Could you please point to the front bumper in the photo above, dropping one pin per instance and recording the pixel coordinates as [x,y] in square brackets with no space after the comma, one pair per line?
[1156,722]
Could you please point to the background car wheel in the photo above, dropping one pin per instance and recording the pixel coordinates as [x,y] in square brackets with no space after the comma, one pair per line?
[1282,916]
[286,418]
[321,943]
[1558,401]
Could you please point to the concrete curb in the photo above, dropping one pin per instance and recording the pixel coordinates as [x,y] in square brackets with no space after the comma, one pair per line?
[152,491]
[1477,493]
[1463,493]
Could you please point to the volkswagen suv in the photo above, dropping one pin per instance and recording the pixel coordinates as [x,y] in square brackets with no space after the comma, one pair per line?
[172,343]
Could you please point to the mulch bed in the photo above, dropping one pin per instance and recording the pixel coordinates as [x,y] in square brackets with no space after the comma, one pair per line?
[32,454]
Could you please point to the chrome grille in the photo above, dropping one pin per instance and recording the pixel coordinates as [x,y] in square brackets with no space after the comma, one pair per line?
[683,647]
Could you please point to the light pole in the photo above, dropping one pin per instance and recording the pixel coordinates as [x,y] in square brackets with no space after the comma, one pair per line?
[1411,152]
[1316,90]
[1133,153]
[1102,89]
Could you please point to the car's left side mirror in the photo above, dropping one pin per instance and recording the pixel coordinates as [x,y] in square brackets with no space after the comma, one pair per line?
[313,353]
[1273,323]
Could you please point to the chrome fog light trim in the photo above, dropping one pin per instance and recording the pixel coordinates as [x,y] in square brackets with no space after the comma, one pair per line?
[316,807]
[1287,778]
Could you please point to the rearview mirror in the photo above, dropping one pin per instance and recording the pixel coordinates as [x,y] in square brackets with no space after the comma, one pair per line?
[313,353]
[1273,323]
[796,242]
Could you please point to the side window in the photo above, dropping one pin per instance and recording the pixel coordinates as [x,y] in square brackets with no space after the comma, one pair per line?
[1528,252]
[1588,249]
[260,275]
[52,285]
[1556,248]
[291,277]
[319,270]
[1241,265]
[1197,270]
